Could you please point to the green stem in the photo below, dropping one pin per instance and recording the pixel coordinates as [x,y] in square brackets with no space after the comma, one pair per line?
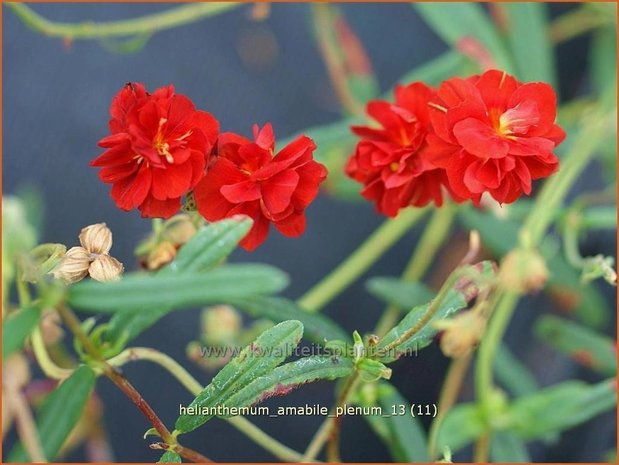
[361,259]
[591,136]
[432,238]
[47,365]
[575,23]
[270,444]
[490,344]
[329,428]
[168,19]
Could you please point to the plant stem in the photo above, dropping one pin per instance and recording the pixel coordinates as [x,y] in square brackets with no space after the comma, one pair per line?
[191,454]
[432,309]
[324,16]
[448,397]
[432,238]
[482,448]
[270,444]
[329,430]
[147,24]
[47,365]
[26,426]
[360,260]
[575,23]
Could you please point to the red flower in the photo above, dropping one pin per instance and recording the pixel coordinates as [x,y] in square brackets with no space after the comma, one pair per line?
[494,134]
[390,161]
[157,151]
[247,179]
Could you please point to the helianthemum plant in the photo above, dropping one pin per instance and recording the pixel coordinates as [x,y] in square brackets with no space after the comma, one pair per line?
[476,136]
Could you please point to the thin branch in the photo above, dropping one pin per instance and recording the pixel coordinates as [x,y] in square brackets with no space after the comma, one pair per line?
[147,24]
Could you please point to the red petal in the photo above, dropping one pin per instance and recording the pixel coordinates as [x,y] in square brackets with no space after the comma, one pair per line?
[211,204]
[480,139]
[277,191]
[544,96]
[131,192]
[153,208]
[293,225]
[244,191]
[496,88]
[172,181]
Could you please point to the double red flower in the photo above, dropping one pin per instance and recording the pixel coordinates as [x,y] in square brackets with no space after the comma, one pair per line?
[390,161]
[487,133]
[161,148]
[157,151]
[247,178]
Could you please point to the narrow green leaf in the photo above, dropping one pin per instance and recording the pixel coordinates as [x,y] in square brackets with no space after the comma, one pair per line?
[434,71]
[60,413]
[403,435]
[508,448]
[259,358]
[462,425]
[454,22]
[210,246]
[512,374]
[582,344]
[206,249]
[560,407]
[528,40]
[402,294]
[138,291]
[170,457]
[318,327]
[16,328]
[456,299]
[289,376]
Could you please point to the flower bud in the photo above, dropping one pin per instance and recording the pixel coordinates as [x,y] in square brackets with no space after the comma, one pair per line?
[50,328]
[74,265]
[523,271]
[105,268]
[162,254]
[180,229]
[461,334]
[96,238]
[220,324]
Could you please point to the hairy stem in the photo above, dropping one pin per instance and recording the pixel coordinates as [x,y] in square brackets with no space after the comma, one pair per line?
[270,444]
[26,426]
[173,17]
[360,260]
[432,238]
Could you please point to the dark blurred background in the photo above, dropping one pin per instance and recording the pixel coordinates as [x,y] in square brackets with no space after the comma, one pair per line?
[56,99]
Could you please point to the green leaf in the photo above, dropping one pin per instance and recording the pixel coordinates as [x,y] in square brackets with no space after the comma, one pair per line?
[259,358]
[512,374]
[400,293]
[507,447]
[528,40]
[560,407]
[59,413]
[289,376]
[16,328]
[434,71]
[206,249]
[403,435]
[582,344]
[138,291]
[462,425]
[209,246]
[454,22]
[318,327]
[456,299]
[126,46]
[170,457]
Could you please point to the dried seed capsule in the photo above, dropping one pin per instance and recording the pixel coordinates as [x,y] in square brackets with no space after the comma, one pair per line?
[96,238]
[105,268]
[74,265]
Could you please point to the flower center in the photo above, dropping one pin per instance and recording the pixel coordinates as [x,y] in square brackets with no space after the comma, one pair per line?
[515,121]
[160,145]
[394,166]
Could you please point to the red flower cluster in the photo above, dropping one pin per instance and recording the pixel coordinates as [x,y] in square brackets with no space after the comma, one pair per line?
[161,148]
[248,179]
[157,151]
[487,133]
